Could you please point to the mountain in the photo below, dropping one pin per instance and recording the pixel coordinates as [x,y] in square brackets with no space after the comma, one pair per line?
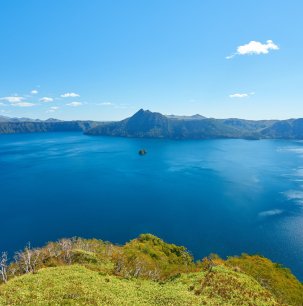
[292,128]
[145,271]
[155,125]
[52,120]
[145,123]
[26,125]
[9,119]
[194,117]
[4,119]
[149,124]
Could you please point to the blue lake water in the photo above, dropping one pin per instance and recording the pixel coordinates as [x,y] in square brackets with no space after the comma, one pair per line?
[219,196]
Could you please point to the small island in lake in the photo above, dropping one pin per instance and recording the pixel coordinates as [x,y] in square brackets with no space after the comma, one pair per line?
[142,152]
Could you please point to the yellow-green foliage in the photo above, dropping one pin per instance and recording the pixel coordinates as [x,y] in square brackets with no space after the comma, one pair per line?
[77,285]
[145,271]
[278,279]
[150,257]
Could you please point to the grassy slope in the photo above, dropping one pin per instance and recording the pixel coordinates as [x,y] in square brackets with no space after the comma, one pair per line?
[77,285]
[145,271]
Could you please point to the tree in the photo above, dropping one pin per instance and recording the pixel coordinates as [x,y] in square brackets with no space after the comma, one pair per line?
[66,246]
[3,266]
[27,260]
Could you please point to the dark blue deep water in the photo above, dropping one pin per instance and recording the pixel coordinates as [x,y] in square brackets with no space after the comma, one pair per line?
[219,196]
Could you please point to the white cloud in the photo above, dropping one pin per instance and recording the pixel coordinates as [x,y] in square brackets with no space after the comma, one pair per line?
[52,109]
[254,47]
[23,104]
[70,95]
[238,95]
[241,95]
[46,99]
[34,91]
[74,104]
[12,99]
[17,101]
[106,104]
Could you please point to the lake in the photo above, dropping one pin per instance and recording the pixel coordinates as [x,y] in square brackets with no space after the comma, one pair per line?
[212,196]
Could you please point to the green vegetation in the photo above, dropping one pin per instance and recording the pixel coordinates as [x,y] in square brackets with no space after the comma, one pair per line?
[145,271]
[276,278]
[78,285]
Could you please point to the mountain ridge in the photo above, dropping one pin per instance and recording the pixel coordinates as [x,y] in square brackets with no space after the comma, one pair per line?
[145,123]
[148,124]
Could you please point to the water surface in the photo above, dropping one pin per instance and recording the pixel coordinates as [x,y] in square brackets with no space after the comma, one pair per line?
[219,196]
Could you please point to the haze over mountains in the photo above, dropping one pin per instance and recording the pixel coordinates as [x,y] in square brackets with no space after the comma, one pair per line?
[145,123]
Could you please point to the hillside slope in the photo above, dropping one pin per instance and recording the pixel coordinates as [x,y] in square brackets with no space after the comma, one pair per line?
[77,285]
[145,271]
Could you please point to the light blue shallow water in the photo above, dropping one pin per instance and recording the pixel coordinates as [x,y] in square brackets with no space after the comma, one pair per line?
[219,196]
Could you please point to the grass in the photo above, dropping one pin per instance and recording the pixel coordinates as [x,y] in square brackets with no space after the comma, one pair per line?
[77,285]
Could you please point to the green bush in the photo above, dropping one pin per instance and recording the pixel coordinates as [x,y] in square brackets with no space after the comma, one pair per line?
[276,278]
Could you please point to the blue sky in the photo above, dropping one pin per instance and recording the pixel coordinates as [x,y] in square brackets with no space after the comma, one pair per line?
[103,60]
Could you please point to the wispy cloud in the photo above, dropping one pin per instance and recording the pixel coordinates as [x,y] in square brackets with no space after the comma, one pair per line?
[34,91]
[12,99]
[46,99]
[52,109]
[17,101]
[254,47]
[241,95]
[106,104]
[74,104]
[70,95]
[23,104]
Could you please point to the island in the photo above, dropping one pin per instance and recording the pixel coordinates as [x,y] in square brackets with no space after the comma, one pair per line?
[142,152]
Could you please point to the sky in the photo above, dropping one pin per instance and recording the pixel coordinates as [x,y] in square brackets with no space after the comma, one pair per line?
[104,60]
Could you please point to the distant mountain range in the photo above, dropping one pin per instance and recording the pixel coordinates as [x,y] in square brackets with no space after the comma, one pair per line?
[149,124]
[155,125]
[9,119]
[27,125]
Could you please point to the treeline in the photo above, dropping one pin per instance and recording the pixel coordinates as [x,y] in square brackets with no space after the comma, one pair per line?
[147,257]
